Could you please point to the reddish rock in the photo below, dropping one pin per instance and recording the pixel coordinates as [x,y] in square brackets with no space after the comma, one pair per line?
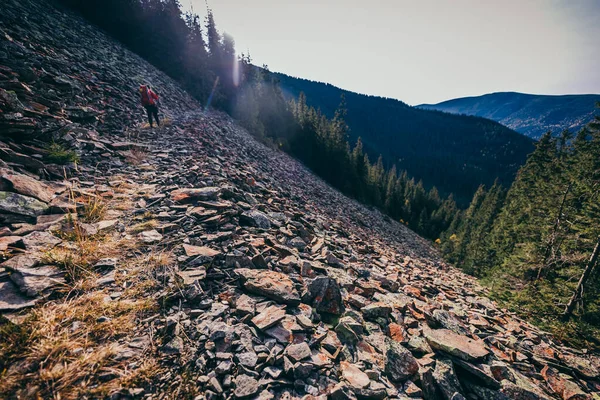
[397,332]
[192,251]
[269,317]
[8,241]
[26,185]
[354,376]
[457,345]
[566,389]
[190,194]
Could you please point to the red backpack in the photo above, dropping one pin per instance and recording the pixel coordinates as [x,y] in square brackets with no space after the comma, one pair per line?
[148,97]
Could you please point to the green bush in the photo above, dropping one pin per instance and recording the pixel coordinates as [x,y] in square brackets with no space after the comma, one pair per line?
[59,154]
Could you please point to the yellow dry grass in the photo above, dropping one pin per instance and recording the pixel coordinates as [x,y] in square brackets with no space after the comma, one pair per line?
[63,349]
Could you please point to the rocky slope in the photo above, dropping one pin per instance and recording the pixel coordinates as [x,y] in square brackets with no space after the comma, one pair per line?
[529,114]
[213,266]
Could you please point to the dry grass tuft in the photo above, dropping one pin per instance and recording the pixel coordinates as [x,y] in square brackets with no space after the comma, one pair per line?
[144,226]
[63,347]
[137,156]
[93,210]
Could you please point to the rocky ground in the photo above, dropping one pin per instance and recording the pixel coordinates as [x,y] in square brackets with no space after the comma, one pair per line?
[192,261]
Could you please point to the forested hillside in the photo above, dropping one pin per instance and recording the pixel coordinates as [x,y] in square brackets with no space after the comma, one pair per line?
[454,153]
[529,114]
[541,236]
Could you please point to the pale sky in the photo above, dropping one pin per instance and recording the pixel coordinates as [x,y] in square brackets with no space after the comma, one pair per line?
[421,51]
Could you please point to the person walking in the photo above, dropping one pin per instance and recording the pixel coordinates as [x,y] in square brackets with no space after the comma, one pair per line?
[149,101]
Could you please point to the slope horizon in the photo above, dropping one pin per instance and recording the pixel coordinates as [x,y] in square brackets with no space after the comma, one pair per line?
[416,105]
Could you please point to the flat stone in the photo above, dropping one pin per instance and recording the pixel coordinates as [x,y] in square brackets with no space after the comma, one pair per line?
[189,194]
[192,275]
[298,351]
[11,298]
[271,284]
[22,261]
[356,378]
[446,320]
[245,305]
[247,359]
[33,281]
[9,241]
[376,310]
[40,241]
[256,219]
[193,251]
[457,345]
[269,317]
[23,205]
[245,386]
[27,186]
[106,263]
[106,224]
[150,237]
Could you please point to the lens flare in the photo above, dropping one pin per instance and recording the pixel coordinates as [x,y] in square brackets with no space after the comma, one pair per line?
[212,93]
[236,71]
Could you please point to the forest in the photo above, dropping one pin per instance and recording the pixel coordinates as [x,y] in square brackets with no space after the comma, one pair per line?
[539,232]
[455,153]
[537,243]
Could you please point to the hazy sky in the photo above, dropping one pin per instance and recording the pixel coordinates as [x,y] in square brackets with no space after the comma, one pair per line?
[422,51]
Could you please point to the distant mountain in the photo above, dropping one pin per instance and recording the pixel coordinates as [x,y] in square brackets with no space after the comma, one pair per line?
[452,152]
[529,114]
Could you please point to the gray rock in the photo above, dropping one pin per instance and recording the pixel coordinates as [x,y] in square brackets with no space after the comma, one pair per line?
[376,310]
[22,205]
[11,298]
[256,219]
[245,386]
[247,359]
[457,345]
[150,237]
[298,352]
[40,241]
[400,363]
[446,379]
[325,295]
[35,281]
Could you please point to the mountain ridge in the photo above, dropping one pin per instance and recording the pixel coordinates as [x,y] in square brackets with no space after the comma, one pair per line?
[530,114]
[454,153]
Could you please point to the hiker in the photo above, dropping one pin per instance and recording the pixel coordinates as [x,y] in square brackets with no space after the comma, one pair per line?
[149,99]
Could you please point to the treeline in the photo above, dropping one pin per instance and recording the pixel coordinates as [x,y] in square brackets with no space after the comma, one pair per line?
[322,144]
[204,61]
[537,243]
[455,153]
